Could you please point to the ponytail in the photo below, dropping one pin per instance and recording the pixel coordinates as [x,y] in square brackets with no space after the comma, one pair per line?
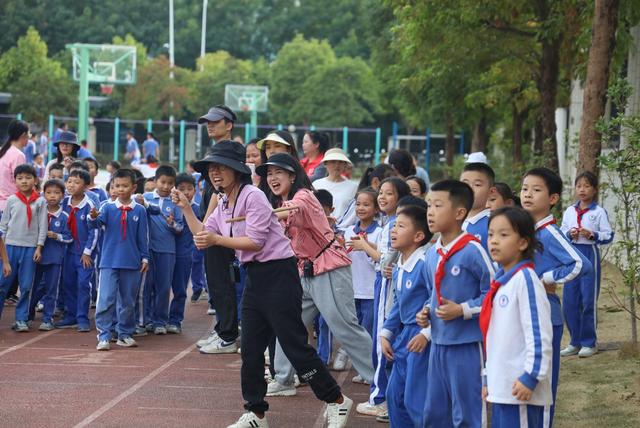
[15,130]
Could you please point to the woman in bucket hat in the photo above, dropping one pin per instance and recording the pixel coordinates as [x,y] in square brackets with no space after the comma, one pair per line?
[342,189]
[272,300]
[67,146]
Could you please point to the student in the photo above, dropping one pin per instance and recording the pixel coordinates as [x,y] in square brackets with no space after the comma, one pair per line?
[150,147]
[401,339]
[24,230]
[391,190]
[342,189]
[38,164]
[125,259]
[558,262]
[324,267]
[149,185]
[48,271]
[418,186]
[133,149]
[165,222]
[94,168]
[78,261]
[480,177]
[113,166]
[587,226]
[56,172]
[515,320]
[272,301]
[502,197]
[458,271]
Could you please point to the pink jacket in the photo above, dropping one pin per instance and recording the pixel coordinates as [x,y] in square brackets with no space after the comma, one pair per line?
[8,163]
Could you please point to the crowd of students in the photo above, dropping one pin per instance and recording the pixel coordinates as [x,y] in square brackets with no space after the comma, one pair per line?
[442,296]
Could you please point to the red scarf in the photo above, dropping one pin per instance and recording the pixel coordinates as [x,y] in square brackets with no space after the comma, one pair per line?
[50,216]
[487,303]
[542,226]
[459,245]
[123,221]
[32,198]
[73,224]
[579,214]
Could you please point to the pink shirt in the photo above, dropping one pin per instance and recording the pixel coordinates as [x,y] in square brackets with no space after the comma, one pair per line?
[261,226]
[8,163]
[309,231]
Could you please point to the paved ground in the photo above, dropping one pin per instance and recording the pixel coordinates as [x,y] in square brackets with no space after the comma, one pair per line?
[58,379]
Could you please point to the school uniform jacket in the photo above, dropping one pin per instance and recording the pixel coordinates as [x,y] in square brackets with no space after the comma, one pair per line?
[596,220]
[411,293]
[54,249]
[478,226]
[161,235]
[87,237]
[519,339]
[184,241]
[468,275]
[123,249]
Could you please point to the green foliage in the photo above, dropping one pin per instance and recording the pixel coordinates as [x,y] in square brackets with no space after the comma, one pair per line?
[129,40]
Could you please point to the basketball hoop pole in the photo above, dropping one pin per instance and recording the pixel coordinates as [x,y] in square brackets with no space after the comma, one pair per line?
[254,124]
[83,98]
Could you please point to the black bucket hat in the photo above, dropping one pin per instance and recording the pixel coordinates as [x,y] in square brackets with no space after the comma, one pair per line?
[281,160]
[67,137]
[228,153]
[217,113]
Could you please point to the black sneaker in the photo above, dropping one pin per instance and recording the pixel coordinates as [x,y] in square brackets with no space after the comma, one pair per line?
[13,298]
[195,296]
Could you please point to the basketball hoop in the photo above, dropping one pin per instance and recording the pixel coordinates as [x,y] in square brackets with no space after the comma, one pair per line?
[245,108]
[106,89]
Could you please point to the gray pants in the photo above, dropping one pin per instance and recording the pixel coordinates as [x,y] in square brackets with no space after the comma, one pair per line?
[331,294]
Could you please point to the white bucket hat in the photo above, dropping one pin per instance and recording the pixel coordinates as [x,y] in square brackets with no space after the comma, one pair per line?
[477,157]
[336,155]
[272,137]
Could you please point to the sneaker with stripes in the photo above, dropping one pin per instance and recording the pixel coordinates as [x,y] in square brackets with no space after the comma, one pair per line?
[250,420]
[337,414]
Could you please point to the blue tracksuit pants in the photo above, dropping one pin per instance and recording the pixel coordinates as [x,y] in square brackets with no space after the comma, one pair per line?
[45,288]
[364,312]
[77,289]
[23,267]
[181,274]
[516,416]
[117,294]
[198,281]
[157,289]
[379,383]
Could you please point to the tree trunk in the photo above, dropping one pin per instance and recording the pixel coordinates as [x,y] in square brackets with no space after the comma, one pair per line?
[450,141]
[603,40]
[479,139]
[537,137]
[518,122]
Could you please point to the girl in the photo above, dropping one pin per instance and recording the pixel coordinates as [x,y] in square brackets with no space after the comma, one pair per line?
[363,266]
[418,186]
[10,157]
[342,190]
[391,191]
[272,298]
[515,320]
[277,142]
[324,267]
[67,149]
[586,224]
[314,146]
[253,159]
[502,197]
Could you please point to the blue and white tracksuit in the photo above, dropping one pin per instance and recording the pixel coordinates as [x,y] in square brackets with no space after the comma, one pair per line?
[48,271]
[557,262]
[456,360]
[184,262]
[478,226]
[407,388]
[76,277]
[580,296]
[518,345]
[162,248]
[123,251]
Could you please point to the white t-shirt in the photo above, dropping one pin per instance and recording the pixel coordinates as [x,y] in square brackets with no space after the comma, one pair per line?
[342,192]
[362,266]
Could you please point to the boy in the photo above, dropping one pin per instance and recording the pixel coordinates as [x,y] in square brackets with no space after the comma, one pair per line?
[480,177]
[38,164]
[56,171]
[559,261]
[47,277]
[24,231]
[165,221]
[94,168]
[125,257]
[78,261]
[401,339]
[81,164]
[458,272]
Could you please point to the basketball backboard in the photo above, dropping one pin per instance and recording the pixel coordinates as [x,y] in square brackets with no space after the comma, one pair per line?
[247,98]
[112,64]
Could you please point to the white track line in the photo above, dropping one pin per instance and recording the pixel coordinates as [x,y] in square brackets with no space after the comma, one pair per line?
[28,342]
[142,382]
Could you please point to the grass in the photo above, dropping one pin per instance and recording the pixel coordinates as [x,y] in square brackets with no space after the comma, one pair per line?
[604,390]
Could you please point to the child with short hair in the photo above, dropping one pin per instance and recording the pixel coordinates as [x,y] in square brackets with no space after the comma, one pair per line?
[113,166]
[24,230]
[38,164]
[125,257]
[47,276]
[515,320]
[418,186]
[149,185]
[94,168]
[558,262]
[502,197]
[458,272]
[165,222]
[480,177]
[401,339]
[78,261]
[56,171]
[587,226]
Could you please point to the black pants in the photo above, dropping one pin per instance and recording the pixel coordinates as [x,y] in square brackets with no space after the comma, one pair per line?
[222,291]
[272,305]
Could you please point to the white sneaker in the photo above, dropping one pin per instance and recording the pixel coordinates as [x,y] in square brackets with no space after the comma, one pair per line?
[103,345]
[204,342]
[587,352]
[127,342]
[340,363]
[211,311]
[250,420]
[569,350]
[360,379]
[267,359]
[369,409]
[219,346]
[276,389]
[160,331]
[298,383]
[337,414]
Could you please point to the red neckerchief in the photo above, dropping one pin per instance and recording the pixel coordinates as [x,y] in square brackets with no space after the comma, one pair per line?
[579,214]
[123,221]
[50,216]
[73,223]
[460,244]
[32,198]
[487,303]
[542,226]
